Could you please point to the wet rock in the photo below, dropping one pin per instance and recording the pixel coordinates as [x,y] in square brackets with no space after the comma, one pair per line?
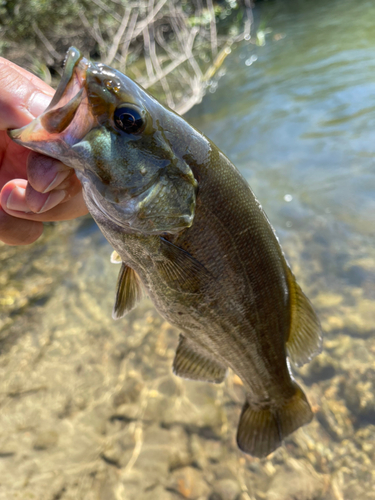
[359,394]
[215,496]
[129,393]
[356,275]
[354,463]
[322,367]
[297,480]
[360,319]
[189,483]
[159,492]
[328,300]
[168,387]
[206,451]
[335,418]
[45,440]
[227,489]
[179,448]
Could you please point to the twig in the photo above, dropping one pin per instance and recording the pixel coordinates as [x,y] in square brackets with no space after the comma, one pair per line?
[45,42]
[107,9]
[196,97]
[117,38]
[146,39]
[128,39]
[90,29]
[249,21]
[171,67]
[156,64]
[212,28]
[148,19]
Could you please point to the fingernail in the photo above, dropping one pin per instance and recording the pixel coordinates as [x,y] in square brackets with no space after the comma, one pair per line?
[38,103]
[59,177]
[53,199]
[16,200]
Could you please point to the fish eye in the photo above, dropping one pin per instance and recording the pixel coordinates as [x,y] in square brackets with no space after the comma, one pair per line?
[129,118]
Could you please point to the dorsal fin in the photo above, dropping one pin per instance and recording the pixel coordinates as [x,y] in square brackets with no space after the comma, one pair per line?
[129,292]
[305,336]
[194,363]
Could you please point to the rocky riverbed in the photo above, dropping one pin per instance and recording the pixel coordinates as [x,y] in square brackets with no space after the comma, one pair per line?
[90,409]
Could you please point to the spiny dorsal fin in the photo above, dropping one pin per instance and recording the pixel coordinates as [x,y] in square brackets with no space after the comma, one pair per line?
[129,291]
[305,336]
[180,270]
[193,362]
[262,429]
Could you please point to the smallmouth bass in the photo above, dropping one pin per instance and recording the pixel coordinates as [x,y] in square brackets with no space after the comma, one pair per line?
[188,230]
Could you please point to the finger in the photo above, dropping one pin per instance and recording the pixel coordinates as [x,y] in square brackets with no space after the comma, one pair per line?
[13,201]
[22,98]
[35,80]
[15,231]
[42,202]
[45,173]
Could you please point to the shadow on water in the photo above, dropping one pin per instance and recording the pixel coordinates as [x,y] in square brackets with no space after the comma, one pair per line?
[89,406]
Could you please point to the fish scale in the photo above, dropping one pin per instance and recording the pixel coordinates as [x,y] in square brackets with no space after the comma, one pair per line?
[188,229]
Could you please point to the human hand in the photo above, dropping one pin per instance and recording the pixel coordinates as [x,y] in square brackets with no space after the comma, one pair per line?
[34,187]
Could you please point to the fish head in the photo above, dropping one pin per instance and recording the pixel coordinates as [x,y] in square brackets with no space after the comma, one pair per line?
[120,141]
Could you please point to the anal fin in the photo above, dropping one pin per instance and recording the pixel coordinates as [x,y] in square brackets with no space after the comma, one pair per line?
[194,363]
[129,291]
[305,336]
[262,429]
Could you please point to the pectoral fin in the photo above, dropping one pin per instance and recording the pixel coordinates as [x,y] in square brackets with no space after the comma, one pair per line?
[305,337]
[115,258]
[129,291]
[180,270]
[194,363]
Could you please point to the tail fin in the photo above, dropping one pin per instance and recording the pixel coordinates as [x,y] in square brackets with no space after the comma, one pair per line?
[261,430]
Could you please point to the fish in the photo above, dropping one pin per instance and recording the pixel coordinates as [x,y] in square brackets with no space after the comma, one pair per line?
[188,231]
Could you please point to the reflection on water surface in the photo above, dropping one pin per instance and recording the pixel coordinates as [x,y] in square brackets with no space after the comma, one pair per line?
[89,406]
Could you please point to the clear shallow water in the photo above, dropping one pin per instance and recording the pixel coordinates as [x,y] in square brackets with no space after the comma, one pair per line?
[89,408]
[300,119]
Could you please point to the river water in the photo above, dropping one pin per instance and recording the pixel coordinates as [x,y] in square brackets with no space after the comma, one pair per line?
[89,407]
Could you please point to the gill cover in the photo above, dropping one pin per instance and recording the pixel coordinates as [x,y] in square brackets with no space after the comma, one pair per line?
[111,132]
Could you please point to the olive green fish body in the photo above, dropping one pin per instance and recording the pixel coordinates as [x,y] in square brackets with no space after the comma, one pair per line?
[190,232]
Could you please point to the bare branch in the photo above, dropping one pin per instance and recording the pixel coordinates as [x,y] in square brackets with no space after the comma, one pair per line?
[249,21]
[107,9]
[149,18]
[91,31]
[146,39]
[46,42]
[156,64]
[212,28]
[117,38]
[128,39]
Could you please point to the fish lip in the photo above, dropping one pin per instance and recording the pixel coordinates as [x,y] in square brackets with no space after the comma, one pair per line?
[73,81]
[75,65]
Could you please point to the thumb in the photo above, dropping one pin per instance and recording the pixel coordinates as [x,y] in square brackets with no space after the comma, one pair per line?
[23,96]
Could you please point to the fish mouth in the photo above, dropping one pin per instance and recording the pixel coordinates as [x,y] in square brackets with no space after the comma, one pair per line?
[67,118]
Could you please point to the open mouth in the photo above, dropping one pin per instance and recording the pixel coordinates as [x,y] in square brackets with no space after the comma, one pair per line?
[57,123]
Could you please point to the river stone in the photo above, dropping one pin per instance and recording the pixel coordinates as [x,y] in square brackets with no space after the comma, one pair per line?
[45,440]
[189,483]
[322,367]
[295,481]
[227,489]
